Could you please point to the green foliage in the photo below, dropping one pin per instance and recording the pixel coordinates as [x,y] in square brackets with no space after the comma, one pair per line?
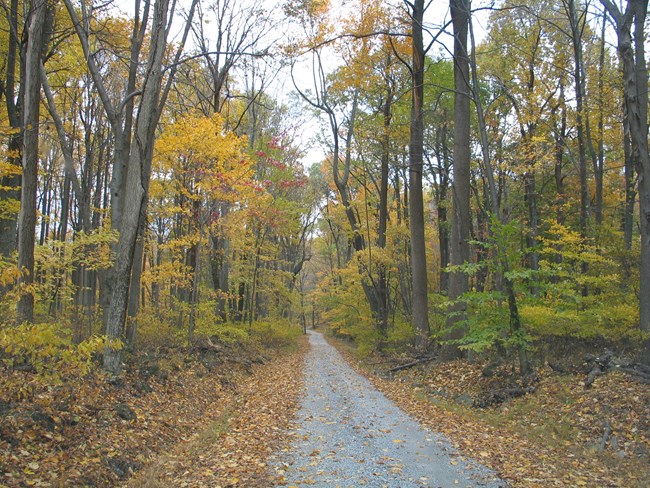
[439,308]
[486,315]
[551,300]
[400,336]
[48,351]
[227,333]
[210,325]
[157,329]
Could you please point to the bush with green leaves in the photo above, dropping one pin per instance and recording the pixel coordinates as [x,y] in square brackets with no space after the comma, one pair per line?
[576,292]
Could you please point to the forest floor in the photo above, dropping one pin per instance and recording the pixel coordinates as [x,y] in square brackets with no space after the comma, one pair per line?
[562,433]
[206,418]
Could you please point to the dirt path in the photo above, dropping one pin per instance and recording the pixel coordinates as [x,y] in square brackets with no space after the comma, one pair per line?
[347,433]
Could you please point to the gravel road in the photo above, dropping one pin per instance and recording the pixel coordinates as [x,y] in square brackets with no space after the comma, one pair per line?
[348,434]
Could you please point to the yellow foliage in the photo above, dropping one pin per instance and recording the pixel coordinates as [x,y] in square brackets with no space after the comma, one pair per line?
[155,332]
[610,321]
[196,159]
[198,144]
[276,333]
[48,350]
[9,273]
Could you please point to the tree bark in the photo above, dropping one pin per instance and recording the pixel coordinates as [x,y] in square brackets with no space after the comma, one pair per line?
[10,185]
[27,216]
[140,153]
[630,192]
[382,280]
[420,311]
[459,239]
[578,70]
[635,73]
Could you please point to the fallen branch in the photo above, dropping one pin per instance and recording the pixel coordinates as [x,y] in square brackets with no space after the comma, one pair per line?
[595,372]
[606,435]
[601,365]
[635,372]
[226,355]
[411,364]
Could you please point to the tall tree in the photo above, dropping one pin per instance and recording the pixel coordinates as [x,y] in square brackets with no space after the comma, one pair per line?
[132,158]
[630,31]
[461,219]
[27,217]
[420,311]
[12,90]
[577,22]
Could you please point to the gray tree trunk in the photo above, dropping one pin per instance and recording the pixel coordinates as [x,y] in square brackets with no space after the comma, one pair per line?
[27,216]
[460,219]
[140,152]
[382,280]
[635,72]
[10,185]
[578,70]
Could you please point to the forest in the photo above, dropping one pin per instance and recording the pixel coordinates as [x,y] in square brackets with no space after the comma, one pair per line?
[465,180]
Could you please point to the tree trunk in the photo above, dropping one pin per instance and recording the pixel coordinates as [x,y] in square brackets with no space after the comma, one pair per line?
[195,293]
[135,289]
[599,169]
[10,185]
[530,197]
[27,216]
[635,73]
[630,193]
[382,280]
[559,135]
[578,70]
[420,312]
[220,263]
[443,215]
[140,152]
[459,241]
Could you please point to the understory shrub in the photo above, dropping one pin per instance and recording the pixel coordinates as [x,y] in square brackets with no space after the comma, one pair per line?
[276,333]
[47,353]
[155,331]
[609,321]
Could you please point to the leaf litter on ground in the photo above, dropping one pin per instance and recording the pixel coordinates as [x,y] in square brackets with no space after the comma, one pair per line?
[555,436]
[193,424]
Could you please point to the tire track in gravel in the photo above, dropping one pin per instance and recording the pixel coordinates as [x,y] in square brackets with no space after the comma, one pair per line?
[348,434]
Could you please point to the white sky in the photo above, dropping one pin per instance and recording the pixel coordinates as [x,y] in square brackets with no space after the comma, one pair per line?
[437,14]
